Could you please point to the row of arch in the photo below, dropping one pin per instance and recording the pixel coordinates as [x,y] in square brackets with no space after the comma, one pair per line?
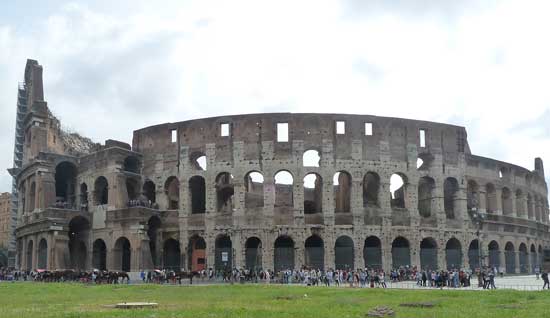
[284,254]
[524,205]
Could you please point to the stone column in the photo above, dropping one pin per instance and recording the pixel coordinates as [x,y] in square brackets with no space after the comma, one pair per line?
[498,194]
[517,262]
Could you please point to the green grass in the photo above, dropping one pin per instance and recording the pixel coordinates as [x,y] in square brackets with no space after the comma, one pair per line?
[76,300]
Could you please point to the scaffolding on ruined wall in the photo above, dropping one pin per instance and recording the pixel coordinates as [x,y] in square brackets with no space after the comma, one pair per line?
[17,164]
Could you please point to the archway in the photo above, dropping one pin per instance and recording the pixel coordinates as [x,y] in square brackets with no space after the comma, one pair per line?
[197,191]
[371,188]
[453,254]
[344,255]
[426,187]
[197,253]
[99,255]
[428,254]
[171,255]
[30,246]
[283,254]
[65,185]
[523,259]
[313,193]
[372,253]
[101,191]
[42,254]
[172,191]
[450,191]
[150,191]
[122,254]
[223,253]
[473,255]
[510,258]
[315,252]
[400,252]
[254,190]
[342,191]
[253,253]
[79,230]
[153,225]
[494,255]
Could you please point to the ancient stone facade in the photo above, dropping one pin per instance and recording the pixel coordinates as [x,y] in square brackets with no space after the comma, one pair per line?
[5,211]
[274,191]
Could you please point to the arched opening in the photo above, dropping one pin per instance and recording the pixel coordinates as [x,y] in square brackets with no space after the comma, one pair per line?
[523,259]
[474,255]
[283,253]
[223,253]
[172,191]
[171,255]
[84,197]
[426,187]
[79,230]
[424,161]
[197,253]
[472,196]
[122,254]
[313,193]
[198,161]
[254,190]
[32,198]
[197,190]
[453,254]
[490,198]
[510,258]
[23,197]
[398,185]
[344,254]
[342,192]
[101,191]
[371,188]
[283,189]
[65,185]
[150,191]
[43,254]
[315,252]
[132,188]
[131,164]
[372,253]
[99,255]
[506,197]
[533,258]
[400,252]
[224,192]
[428,254]
[311,158]
[450,197]
[253,253]
[520,208]
[30,246]
[494,255]
[153,225]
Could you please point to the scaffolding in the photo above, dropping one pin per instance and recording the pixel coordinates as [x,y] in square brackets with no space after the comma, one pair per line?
[22,107]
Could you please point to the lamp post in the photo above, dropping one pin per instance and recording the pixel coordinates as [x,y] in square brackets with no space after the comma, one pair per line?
[478,219]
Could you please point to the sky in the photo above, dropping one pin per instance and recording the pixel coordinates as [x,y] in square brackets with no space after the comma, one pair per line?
[111,67]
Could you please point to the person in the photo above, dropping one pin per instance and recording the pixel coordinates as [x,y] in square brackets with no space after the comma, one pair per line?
[545,280]
[537,272]
[492,280]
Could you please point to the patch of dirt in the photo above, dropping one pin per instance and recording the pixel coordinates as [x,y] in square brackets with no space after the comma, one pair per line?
[286,297]
[510,306]
[381,311]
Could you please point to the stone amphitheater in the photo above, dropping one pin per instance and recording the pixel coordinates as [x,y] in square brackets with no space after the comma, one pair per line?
[271,191]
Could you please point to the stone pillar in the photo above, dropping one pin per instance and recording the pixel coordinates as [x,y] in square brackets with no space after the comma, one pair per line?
[517,262]
[514,211]
[239,249]
[498,194]
[358,261]
[330,257]
[502,258]
[482,200]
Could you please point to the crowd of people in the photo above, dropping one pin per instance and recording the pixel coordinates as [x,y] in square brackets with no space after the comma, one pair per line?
[362,278]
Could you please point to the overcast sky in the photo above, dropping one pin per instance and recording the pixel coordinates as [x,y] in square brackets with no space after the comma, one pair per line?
[112,68]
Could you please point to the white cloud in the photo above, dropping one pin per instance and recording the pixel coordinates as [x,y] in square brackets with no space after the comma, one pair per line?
[134,63]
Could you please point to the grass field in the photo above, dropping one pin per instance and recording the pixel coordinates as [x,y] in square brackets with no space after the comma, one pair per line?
[76,300]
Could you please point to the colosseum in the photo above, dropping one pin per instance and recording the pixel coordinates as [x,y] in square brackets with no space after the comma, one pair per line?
[271,191]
